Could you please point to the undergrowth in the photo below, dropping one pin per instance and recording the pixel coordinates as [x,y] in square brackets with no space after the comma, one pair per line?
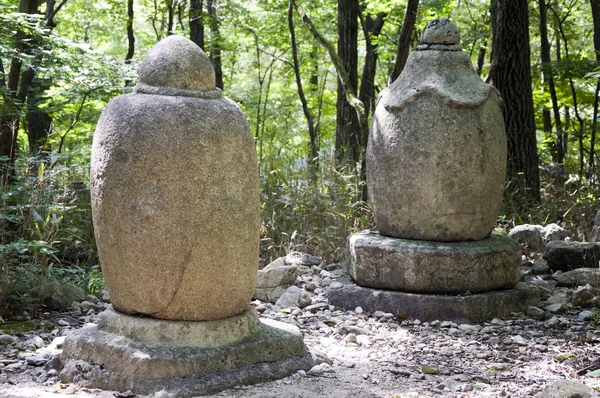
[315,215]
[45,229]
[568,201]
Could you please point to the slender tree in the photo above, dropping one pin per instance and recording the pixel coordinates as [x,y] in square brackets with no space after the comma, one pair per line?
[513,79]
[314,142]
[130,36]
[372,26]
[547,73]
[406,32]
[344,76]
[595,4]
[347,132]
[38,123]
[171,5]
[196,22]
[215,42]
[560,24]
[481,57]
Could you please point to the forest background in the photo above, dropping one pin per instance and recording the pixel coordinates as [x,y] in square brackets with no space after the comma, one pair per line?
[307,74]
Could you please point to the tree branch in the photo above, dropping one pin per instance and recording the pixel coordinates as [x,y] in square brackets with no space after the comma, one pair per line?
[337,63]
[285,61]
[50,18]
[76,119]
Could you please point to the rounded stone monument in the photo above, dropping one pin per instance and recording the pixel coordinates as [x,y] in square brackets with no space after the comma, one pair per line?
[436,164]
[175,192]
[175,201]
[436,158]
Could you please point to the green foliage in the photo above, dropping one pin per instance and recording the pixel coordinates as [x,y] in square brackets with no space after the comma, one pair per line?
[45,228]
[313,216]
[571,203]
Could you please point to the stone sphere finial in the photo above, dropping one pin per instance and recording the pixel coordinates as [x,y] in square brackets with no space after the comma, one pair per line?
[440,31]
[177,66]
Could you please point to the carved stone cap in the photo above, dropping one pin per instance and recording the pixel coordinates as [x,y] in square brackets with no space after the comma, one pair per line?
[439,68]
[176,66]
[440,34]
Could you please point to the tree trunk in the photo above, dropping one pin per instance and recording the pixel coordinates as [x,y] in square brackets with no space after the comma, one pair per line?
[497,18]
[573,94]
[561,144]
[408,26]
[170,16]
[343,75]
[596,17]
[130,36]
[347,134]
[196,23]
[37,122]
[513,79]
[371,29]
[39,127]
[314,142]
[481,57]
[215,42]
[17,87]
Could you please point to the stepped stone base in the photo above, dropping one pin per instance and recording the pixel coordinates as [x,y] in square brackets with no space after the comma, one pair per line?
[147,355]
[419,266]
[429,307]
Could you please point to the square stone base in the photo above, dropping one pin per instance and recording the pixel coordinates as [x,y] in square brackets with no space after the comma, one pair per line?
[140,354]
[429,307]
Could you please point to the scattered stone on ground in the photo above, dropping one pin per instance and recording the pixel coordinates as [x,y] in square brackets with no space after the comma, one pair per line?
[59,295]
[294,297]
[566,256]
[359,354]
[535,237]
[530,236]
[540,267]
[579,277]
[273,280]
[568,389]
[554,232]
[585,297]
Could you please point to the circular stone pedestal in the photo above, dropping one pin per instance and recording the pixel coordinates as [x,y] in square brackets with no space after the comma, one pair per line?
[147,355]
[417,266]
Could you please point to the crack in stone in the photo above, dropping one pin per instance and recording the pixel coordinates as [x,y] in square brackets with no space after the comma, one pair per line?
[161,313]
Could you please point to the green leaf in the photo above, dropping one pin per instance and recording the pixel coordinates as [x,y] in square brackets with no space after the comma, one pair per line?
[41,172]
[37,217]
[428,370]
[564,355]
